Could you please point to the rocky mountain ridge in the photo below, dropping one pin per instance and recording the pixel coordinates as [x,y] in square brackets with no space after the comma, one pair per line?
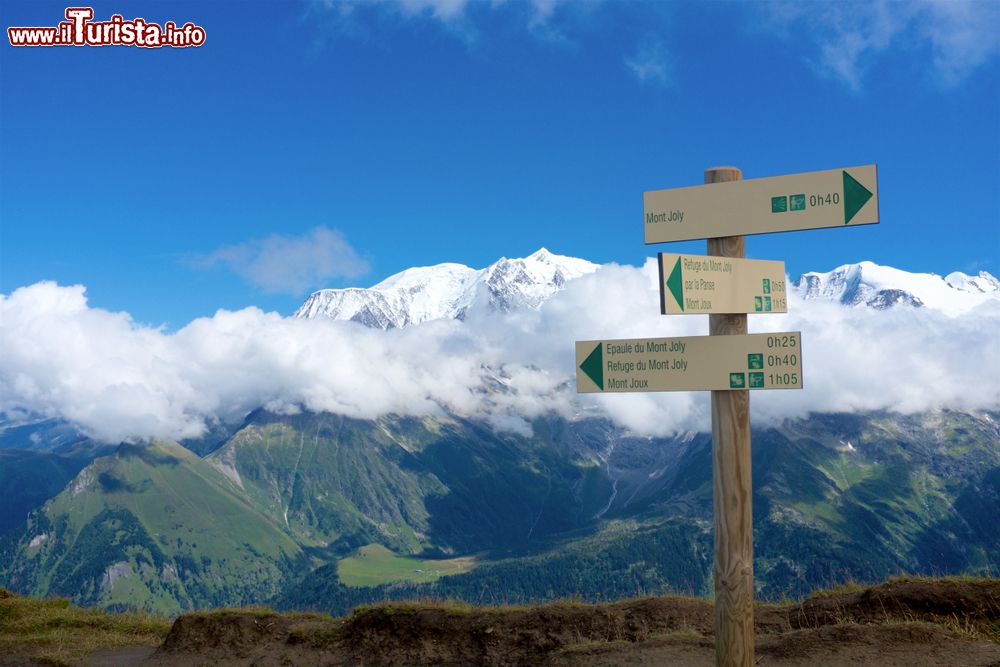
[453,291]
[448,291]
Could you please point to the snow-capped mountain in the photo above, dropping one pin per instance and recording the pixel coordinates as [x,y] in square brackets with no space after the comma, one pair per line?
[448,291]
[881,287]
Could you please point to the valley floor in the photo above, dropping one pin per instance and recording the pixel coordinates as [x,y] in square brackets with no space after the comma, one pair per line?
[903,622]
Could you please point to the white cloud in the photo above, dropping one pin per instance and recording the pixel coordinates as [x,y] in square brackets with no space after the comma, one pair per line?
[290,264]
[649,63]
[466,20]
[444,10]
[117,379]
[964,35]
[850,37]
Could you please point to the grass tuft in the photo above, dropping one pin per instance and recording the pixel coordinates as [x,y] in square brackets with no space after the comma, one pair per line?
[849,586]
[58,633]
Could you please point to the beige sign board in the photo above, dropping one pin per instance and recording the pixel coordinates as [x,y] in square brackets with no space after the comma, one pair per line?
[831,198]
[754,361]
[699,284]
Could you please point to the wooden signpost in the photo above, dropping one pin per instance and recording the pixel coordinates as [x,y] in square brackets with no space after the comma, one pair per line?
[728,362]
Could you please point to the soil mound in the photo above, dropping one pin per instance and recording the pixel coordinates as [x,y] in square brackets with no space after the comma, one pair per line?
[903,622]
[965,605]
[513,636]
[234,633]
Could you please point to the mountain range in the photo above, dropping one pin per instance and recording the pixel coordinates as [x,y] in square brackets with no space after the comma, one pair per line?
[449,291]
[881,287]
[324,511]
[289,502]
[454,291]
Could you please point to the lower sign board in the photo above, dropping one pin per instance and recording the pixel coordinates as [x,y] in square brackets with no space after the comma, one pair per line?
[811,200]
[754,361]
[698,284]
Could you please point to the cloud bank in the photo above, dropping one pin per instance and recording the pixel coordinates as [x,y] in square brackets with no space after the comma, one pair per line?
[117,379]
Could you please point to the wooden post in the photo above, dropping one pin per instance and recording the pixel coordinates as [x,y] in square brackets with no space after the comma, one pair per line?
[731,485]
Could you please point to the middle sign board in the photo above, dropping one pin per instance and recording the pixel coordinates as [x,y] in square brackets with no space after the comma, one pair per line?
[699,284]
[692,363]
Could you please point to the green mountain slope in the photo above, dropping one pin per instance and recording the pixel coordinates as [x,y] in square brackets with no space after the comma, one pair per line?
[576,508]
[151,526]
[28,479]
[836,497]
[439,485]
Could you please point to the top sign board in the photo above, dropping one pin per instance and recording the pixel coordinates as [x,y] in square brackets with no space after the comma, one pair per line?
[811,200]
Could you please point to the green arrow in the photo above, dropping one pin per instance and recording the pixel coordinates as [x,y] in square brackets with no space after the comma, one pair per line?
[675,285]
[593,366]
[855,196]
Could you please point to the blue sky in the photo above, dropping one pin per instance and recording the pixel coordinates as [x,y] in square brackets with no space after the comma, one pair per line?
[311,145]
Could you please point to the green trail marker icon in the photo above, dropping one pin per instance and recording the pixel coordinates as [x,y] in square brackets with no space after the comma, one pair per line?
[755,361]
[756,380]
[855,196]
[779,204]
[593,366]
[737,380]
[676,284]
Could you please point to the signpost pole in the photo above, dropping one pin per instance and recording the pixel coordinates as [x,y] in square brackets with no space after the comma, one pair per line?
[731,485]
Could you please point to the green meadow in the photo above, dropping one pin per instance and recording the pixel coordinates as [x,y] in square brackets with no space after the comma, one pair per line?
[373,565]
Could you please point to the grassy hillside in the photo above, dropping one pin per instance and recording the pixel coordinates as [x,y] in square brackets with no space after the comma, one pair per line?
[152,527]
[438,485]
[28,479]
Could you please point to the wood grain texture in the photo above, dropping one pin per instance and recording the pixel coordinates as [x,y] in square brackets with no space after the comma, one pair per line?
[731,486]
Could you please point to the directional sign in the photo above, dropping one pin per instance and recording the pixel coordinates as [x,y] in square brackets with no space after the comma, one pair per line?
[698,284]
[755,361]
[832,198]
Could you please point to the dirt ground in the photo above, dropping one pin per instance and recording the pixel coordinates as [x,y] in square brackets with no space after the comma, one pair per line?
[906,623]
[897,645]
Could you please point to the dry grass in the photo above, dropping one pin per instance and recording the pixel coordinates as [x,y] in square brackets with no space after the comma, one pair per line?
[55,632]
[58,633]
[264,612]
[849,586]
